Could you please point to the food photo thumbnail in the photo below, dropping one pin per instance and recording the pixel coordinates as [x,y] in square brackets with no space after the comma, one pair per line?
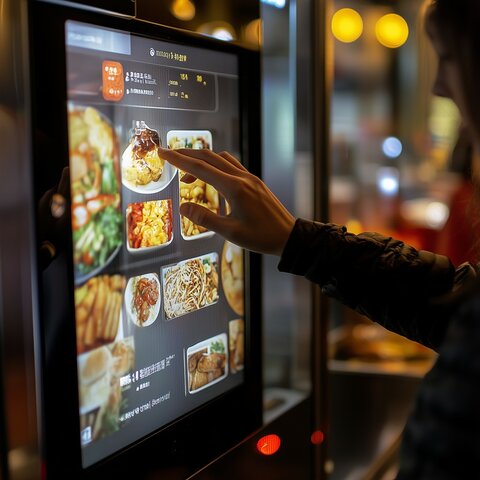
[198,191]
[233,276]
[98,305]
[195,139]
[143,170]
[190,285]
[149,225]
[236,344]
[97,221]
[143,299]
[101,392]
[204,195]
[207,363]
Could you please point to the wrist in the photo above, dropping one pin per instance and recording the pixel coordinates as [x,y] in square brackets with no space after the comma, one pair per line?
[288,226]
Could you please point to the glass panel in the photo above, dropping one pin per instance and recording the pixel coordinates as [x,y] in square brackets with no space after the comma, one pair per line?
[288,172]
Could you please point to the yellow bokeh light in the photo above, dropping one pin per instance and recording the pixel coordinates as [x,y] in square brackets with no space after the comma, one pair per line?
[347,25]
[391,30]
[354,226]
[183,9]
[253,32]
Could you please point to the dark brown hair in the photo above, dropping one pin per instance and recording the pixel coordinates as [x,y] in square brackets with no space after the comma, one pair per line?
[457,22]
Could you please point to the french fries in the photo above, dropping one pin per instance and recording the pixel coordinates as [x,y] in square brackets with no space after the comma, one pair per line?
[202,194]
[97,311]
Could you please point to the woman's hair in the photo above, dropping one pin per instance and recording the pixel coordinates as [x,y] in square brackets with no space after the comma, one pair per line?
[458,23]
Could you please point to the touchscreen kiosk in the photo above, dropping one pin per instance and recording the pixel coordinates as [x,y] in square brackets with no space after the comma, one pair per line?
[159,308]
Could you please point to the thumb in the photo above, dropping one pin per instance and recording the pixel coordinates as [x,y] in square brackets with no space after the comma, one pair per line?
[204,217]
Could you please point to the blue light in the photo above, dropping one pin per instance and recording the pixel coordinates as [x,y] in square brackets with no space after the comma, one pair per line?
[387,180]
[275,3]
[392,147]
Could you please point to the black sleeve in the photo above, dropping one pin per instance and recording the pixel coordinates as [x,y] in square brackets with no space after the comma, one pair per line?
[388,281]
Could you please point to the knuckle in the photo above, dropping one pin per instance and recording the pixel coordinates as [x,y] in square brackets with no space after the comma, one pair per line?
[256,181]
[233,231]
[237,187]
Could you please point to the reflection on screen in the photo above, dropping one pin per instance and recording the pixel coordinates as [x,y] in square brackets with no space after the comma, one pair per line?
[159,301]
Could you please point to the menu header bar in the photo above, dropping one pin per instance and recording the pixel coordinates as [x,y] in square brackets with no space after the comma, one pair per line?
[101,39]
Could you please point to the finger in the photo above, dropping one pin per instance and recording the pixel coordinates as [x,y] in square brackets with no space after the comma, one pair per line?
[64,182]
[206,218]
[199,168]
[212,159]
[234,161]
[188,178]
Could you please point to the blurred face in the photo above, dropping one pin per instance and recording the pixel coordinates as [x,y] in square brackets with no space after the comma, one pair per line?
[448,79]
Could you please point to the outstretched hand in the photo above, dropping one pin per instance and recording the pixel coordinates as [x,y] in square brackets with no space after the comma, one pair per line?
[258,221]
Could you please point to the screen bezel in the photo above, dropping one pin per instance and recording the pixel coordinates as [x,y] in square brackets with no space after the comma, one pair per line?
[170,448]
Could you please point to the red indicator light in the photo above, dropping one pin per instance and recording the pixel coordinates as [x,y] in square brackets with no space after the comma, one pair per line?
[269,444]
[317,437]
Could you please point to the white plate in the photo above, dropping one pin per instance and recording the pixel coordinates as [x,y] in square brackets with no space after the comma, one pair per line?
[129,297]
[199,236]
[167,176]
[147,249]
[206,344]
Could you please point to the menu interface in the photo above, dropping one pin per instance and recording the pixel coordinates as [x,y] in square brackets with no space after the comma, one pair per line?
[159,301]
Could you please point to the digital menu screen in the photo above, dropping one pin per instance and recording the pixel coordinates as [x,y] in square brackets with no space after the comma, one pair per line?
[159,301]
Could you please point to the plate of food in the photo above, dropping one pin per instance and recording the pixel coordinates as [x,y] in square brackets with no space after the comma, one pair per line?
[97,222]
[98,315]
[190,285]
[149,225]
[142,299]
[196,139]
[198,191]
[233,277]
[94,374]
[236,344]
[123,356]
[202,194]
[143,170]
[207,363]
[101,391]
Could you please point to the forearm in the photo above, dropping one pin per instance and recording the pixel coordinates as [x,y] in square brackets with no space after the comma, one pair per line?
[380,277]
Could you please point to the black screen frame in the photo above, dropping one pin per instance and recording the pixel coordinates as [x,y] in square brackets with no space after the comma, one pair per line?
[171,449]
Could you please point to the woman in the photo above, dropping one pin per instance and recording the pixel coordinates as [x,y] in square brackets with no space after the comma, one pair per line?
[458,237]
[418,294]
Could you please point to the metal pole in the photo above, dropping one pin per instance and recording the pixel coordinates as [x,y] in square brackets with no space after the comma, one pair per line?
[322,72]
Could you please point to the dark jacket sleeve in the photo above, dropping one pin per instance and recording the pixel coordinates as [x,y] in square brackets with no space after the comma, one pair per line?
[388,281]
